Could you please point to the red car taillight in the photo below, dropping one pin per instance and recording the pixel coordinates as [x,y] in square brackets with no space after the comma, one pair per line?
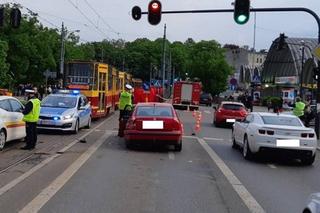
[176,125]
[131,124]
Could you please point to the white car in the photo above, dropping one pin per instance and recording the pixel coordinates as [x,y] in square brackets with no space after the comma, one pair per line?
[275,132]
[11,125]
[313,204]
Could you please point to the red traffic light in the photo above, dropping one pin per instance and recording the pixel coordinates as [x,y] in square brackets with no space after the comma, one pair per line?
[154,12]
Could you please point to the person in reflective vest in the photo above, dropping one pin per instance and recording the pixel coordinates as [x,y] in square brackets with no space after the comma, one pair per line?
[31,114]
[125,102]
[298,109]
[125,106]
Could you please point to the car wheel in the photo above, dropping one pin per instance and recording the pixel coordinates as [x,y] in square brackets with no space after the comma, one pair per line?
[128,144]
[246,152]
[76,127]
[308,160]
[88,126]
[3,138]
[178,147]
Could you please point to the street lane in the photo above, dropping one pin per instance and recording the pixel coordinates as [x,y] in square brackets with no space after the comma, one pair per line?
[147,180]
[278,184]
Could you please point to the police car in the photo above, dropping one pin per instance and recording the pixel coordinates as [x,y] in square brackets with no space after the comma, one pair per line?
[65,110]
[11,125]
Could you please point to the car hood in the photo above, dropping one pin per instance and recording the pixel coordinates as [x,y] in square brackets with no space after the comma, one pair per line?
[55,111]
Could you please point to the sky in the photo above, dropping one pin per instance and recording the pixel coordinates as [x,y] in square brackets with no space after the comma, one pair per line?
[111,19]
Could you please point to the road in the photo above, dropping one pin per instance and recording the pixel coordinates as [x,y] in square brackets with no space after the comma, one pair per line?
[101,175]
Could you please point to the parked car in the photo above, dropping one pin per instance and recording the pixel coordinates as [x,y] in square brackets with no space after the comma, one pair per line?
[11,125]
[275,132]
[229,112]
[66,110]
[154,122]
[206,98]
[313,204]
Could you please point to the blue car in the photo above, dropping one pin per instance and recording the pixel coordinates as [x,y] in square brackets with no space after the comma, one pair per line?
[66,111]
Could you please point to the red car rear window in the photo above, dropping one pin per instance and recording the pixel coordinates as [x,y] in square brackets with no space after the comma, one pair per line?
[161,111]
[232,107]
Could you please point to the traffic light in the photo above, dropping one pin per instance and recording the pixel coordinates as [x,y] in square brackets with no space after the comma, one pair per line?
[136,13]
[154,12]
[15,17]
[241,11]
[1,17]
[316,73]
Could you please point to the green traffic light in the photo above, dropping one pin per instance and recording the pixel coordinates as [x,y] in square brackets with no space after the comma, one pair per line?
[242,19]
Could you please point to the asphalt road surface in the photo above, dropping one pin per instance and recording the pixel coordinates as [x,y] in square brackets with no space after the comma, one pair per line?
[101,175]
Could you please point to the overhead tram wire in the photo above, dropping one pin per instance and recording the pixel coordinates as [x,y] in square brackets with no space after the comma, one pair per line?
[88,19]
[100,17]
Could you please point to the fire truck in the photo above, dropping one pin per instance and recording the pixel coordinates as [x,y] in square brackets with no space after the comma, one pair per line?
[186,95]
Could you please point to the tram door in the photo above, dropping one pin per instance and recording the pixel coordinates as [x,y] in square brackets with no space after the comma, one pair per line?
[102,91]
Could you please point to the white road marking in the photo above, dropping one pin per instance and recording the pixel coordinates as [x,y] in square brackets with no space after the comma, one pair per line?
[19,179]
[171,155]
[188,136]
[45,195]
[213,139]
[272,166]
[244,194]
[208,112]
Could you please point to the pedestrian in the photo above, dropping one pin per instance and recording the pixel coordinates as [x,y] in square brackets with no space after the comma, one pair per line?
[41,92]
[125,105]
[298,109]
[31,114]
[269,104]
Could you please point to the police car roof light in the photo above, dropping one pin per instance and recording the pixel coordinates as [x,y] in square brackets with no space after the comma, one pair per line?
[66,91]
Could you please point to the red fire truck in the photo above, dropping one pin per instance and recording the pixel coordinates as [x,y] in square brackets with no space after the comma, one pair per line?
[186,95]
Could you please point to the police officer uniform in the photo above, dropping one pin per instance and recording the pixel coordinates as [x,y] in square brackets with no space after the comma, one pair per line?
[125,105]
[298,109]
[31,114]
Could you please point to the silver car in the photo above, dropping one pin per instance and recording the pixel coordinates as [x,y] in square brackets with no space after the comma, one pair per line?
[65,111]
[313,204]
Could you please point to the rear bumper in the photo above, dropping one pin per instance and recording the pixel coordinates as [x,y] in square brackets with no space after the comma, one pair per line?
[292,153]
[172,137]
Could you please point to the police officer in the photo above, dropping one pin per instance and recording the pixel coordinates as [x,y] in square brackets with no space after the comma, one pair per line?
[298,109]
[125,105]
[31,114]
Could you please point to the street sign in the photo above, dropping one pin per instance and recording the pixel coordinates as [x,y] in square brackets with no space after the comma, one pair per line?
[316,52]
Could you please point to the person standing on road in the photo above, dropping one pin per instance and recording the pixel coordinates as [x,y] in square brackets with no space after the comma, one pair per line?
[31,114]
[125,105]
[298,109]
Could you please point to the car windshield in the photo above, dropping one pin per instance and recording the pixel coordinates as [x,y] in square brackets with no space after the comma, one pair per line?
[232,106]
[161,111]
[59,102]
[281,120]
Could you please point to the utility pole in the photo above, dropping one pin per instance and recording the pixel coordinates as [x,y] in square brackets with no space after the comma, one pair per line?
[164,57]
[302,65]
[62,51]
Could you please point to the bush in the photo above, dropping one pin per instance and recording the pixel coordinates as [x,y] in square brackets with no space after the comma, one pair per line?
[275,101]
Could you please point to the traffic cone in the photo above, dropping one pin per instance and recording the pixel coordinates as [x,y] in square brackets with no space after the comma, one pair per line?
[197,129]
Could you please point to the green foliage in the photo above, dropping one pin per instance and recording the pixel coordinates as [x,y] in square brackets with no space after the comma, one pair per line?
[271,99]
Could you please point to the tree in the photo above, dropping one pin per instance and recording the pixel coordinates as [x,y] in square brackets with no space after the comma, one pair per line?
[208,63]
[4,66]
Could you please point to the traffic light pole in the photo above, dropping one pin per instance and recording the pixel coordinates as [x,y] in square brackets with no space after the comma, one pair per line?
[285,9]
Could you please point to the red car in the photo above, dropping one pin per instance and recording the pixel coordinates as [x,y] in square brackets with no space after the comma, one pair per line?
[154,122]
[229,112]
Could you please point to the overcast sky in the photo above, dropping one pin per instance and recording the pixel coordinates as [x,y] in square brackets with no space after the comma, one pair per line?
[111,19]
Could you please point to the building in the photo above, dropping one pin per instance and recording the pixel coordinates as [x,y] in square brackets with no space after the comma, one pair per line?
[289,65]
[247,64]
